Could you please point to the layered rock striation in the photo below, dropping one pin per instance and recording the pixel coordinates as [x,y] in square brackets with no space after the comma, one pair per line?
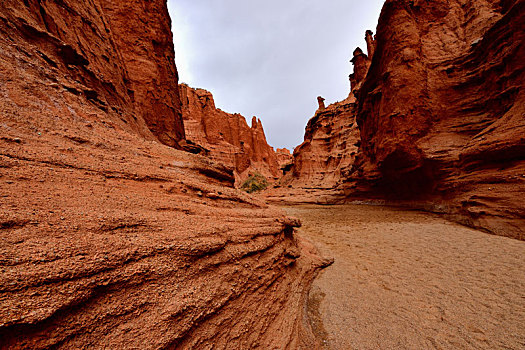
[108,238]
[329,147]
[331,142]
[130,76]
[284,158]
[318,166]
[226,137]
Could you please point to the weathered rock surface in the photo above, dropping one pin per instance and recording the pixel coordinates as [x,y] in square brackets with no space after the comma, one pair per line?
[441,114]
[149,58]
[442,110]
[329,148]
[226,137]
[328,151]
[109,239]
[130,76]
[284,157]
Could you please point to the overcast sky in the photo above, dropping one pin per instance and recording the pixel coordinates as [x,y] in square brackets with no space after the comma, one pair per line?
[271,58]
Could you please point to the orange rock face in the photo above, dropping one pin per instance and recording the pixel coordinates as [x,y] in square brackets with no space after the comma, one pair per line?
[320,163]
[226,137]
[441,111]
[329,148]
[109,239]
[149,58]
[440,108]
[134,84]
[318,166]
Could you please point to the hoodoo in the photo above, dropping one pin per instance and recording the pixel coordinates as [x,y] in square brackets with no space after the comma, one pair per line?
[320,101]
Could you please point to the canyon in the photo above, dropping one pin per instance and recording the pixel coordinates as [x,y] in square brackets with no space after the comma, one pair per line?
[434,120]
[122,225]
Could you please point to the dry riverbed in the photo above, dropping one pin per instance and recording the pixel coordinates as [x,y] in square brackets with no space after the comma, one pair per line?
[412,280]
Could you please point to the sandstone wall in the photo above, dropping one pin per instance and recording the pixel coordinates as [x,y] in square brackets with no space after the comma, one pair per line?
[118,55]
[440,108]
[148,54]
[109,239]
[329,147]
[226,137]
[441,112]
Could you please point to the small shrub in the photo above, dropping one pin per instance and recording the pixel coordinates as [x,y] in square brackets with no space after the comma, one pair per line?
[254,183]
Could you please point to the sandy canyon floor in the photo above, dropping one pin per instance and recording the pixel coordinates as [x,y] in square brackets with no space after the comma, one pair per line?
[411,280]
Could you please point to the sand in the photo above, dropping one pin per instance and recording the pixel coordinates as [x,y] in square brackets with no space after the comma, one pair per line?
[412,280]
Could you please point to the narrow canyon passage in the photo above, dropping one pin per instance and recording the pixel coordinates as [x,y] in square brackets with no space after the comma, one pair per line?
[411,280]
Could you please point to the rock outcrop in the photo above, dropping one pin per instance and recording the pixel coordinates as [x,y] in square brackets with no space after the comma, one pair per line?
[129,76]
[329,148]
[330,145]
[284,158]
[440,108]
[109,239]
[331,141]
[226,137]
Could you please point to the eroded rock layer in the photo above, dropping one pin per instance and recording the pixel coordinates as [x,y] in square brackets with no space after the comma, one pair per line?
[328,151]
[284,158]
[226,137]
[130,76]
[331,140]
[109,239]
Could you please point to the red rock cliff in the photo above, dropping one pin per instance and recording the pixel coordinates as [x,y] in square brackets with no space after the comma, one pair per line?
[110,239]
[148,55]
[440,108]
[128,74]
[441,111]
[226,137]
[330,144]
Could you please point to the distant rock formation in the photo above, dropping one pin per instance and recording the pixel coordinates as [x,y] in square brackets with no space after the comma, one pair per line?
[331,143]
[320,101]
[284,158]
[370,43]
[226,137]
[361,64]
[110,239]
[324,156]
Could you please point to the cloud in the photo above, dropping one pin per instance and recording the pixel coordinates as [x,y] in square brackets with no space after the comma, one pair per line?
[271,58]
